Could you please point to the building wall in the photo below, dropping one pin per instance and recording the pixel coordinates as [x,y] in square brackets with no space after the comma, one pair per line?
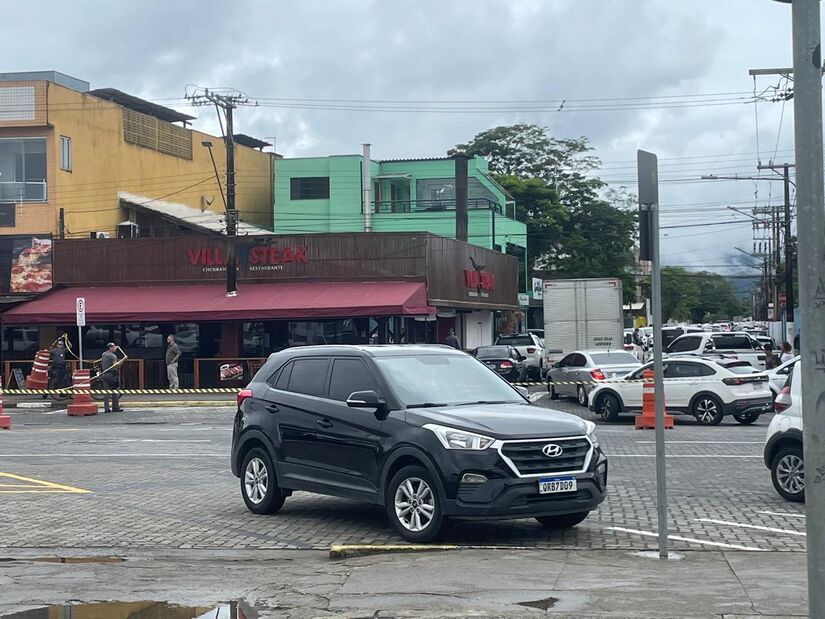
[103,164]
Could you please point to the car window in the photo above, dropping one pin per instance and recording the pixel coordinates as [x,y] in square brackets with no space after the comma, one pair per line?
[639,374]
[308,376]
[683,369]
[732,342]
[349,376]
[613,358]
[516,340]
[283,378]
[577,361]
[685,344]
[493,352]
[742,369]
[565,362]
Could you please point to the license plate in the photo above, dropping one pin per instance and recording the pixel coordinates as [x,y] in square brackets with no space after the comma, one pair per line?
[491,365]
[554,485]
[757,386]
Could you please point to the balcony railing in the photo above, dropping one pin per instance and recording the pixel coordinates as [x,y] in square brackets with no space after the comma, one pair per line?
[29,191]
[434,206]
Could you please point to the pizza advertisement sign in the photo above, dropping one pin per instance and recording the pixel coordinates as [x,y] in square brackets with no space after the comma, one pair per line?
[31,265]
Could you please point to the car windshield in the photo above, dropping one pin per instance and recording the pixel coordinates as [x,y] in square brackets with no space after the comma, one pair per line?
[444,380]
[516,340]
[614,358]
[493,352]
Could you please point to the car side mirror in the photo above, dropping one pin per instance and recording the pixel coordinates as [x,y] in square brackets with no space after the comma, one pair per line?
[367,399]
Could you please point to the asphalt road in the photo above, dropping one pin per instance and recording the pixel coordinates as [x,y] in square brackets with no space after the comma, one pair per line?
[160,479]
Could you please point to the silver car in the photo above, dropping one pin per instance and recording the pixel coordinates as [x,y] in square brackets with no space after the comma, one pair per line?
[577,373]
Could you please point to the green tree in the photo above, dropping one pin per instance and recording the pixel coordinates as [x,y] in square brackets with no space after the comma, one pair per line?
[697,297]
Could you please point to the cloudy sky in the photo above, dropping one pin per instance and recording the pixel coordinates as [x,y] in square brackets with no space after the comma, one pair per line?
[668,76]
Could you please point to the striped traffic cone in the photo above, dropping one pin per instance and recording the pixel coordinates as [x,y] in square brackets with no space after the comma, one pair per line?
[647,420]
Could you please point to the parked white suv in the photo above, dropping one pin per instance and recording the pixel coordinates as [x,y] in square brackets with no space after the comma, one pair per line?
[783,447]
[531,347]
[741,345]
[693,386]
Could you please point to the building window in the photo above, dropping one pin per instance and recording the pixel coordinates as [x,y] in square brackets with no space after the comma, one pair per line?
[23,170]
[65,153]
[309,188]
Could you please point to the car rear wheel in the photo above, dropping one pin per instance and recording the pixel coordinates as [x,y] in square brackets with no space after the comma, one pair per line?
[788,473]
[552,389]
[708,410]
[608,407]
[259,486]
[414,505]
[746,418]
[581,395]
[565,521]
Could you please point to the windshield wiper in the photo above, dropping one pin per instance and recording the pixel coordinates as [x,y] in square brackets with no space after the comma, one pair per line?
[487,402]
[428,405]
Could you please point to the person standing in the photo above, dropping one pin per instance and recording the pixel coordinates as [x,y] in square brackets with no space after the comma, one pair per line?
[172,357]
[787,352]
[771,360]
[58,376]
[452,340]
[111,380]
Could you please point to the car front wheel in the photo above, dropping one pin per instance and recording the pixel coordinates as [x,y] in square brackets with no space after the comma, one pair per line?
[259,486]
[708,411]
[565,521]
[414,505]
[788,473]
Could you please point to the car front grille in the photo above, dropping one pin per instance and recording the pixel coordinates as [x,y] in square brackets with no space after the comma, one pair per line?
[526,457]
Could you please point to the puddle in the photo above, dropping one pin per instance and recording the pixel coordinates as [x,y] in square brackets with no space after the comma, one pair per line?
[132,610]
[545,604]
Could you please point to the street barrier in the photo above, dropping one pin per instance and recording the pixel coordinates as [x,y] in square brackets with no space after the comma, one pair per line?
[82,404]
[39,378]
[5,420]
[647,420]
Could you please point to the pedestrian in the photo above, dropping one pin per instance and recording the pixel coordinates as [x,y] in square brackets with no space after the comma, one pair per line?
[771,360]
[172,357]
[109,375]
[787,353]
[452,340]
[58,376]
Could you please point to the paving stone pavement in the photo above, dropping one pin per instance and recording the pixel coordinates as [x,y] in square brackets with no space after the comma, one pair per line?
[161,479]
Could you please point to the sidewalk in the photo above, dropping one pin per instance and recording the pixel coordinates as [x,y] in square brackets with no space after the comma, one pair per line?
[462,583]
[171,400]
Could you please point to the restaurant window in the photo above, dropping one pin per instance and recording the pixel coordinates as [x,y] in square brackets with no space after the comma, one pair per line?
[307,333]
[20,342]
[23,170]
[65,153]
[186,337]
[309,188]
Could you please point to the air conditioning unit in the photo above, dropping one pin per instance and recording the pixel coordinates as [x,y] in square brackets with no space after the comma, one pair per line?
[100,235]
[127,230]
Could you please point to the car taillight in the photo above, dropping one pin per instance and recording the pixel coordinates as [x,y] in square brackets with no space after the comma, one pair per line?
[783,400]
[597,374]
[506,364]
[628,346]
[242,395]
[733,381]
[530,350]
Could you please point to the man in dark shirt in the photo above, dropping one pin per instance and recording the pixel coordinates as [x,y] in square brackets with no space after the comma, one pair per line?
[110,378]
[58,377]
[771,360]
[452,340]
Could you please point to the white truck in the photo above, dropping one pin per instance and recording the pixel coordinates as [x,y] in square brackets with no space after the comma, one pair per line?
[581,314]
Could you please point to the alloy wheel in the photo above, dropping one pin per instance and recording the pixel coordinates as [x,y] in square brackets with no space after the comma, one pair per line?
[706,410]
[790,474]
[256,480]
[414,504]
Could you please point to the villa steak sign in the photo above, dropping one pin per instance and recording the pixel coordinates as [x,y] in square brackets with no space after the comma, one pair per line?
[249,258]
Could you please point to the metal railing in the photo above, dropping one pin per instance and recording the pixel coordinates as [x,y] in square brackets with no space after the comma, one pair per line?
[433,206]
[28,191]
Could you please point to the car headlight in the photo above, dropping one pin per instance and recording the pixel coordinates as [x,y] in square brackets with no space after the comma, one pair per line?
[591,433]
[460,439]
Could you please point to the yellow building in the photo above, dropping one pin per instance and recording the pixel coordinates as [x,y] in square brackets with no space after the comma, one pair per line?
[79,162]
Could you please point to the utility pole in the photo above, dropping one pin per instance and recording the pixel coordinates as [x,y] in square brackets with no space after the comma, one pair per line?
[807,74]
[226,104]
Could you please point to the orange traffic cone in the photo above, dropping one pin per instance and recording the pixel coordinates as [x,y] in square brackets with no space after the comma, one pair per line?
[647,420]
[82,404]
[5,420]
[39,378]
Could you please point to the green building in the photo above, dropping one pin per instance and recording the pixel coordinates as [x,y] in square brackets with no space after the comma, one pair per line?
[325,194]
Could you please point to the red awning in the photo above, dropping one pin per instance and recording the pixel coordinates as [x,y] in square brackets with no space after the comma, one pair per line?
[197,303]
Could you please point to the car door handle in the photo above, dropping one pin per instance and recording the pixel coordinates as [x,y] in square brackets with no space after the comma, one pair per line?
[324,423]
[272,408]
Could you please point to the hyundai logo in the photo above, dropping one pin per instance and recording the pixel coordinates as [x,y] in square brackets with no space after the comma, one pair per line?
[551,450]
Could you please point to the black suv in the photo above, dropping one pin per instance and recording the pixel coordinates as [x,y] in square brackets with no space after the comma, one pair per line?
[426,431]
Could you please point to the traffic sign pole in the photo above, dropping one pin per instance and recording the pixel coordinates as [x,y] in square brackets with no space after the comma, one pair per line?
[80,317]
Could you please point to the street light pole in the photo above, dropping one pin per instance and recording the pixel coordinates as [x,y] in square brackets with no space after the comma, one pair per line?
[807,71]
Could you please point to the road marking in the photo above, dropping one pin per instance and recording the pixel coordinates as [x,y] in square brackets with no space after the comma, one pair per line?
[705,442]
[756,527]
[783,514]
[535,397]
[684,456]
[42,485]
[117,455]
[679,538]
[162,440]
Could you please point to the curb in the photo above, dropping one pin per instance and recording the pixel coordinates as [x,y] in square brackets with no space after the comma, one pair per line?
[350,551]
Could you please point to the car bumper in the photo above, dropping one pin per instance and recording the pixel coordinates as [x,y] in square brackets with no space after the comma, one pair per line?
[751,405]
[511,497]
